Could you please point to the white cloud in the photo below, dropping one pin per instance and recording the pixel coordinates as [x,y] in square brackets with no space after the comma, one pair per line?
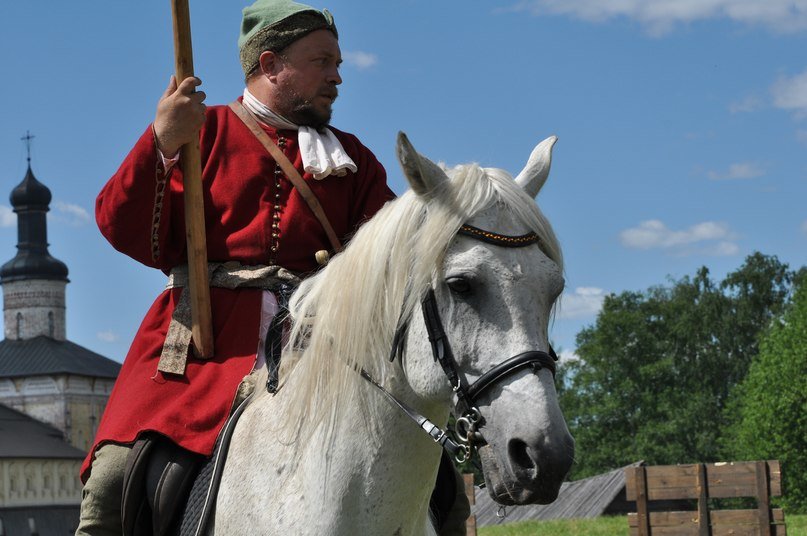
[801,136]
[360,60]
[804,227]
[566,356]
[790,93]
[721,249]
[71,214]
[712,238]
[7,217]
[107,336]
[661,16]
[584,302]
[748,104]
[742,170]
[63,212]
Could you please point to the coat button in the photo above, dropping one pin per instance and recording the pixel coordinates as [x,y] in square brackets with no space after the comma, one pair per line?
[322,257]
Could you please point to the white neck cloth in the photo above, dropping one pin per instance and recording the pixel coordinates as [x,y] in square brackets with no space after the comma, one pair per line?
[322,153]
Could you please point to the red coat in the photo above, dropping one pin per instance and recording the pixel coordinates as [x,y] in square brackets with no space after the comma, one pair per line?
[239,188]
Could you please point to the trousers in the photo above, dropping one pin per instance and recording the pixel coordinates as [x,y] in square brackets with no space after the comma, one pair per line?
[103,493]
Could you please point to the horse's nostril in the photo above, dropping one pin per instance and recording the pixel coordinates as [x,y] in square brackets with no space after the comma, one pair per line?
[520,458]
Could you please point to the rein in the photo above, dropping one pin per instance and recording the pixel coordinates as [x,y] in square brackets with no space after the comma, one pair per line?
[468,415]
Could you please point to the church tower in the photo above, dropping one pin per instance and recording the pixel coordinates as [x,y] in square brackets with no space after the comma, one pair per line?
[42,374]
[33,281]
[52,391]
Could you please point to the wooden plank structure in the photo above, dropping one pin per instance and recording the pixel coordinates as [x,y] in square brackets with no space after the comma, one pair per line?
[700,483]
[470,523]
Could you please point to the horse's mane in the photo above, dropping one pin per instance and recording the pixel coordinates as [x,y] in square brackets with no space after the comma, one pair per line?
[344,317]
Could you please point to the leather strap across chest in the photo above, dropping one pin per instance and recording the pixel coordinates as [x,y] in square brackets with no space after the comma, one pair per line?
[289,170]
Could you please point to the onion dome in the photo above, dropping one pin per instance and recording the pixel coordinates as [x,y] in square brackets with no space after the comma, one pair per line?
[30,200]
[30,193]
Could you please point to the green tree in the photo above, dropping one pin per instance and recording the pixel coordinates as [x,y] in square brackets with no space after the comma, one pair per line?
[759,291]
[769,408]
[657,366]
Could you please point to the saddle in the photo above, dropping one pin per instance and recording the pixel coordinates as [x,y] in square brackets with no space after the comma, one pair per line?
[170,490]
[158,477]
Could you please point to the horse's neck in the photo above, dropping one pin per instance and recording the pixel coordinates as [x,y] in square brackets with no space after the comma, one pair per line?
[374,479]
[389,467]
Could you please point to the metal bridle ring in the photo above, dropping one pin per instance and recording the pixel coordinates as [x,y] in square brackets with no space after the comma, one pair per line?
[463,454]
[466,425]
[465,429]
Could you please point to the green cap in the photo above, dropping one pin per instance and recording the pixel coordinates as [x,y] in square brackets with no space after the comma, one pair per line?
[274,25]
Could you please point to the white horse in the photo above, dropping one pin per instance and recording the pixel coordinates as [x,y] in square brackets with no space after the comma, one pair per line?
[330,454]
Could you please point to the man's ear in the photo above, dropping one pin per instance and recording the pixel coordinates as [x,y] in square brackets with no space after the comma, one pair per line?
[270,63]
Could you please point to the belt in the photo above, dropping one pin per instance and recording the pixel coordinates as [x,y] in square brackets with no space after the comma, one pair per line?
[229,275]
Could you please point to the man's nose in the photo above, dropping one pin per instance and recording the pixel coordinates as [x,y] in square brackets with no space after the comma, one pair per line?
[334,77]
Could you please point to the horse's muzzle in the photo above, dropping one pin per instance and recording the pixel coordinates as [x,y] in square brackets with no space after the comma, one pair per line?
[526,477]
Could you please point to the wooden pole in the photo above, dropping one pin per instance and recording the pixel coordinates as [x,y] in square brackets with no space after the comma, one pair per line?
[763,498]
[198,286]
[704,523]
[642,511]
[470,523]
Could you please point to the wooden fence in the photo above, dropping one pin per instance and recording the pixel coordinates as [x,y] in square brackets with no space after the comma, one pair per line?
[700,483]
[470,524]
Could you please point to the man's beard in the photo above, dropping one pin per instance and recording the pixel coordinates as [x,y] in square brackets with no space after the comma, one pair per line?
[303,112]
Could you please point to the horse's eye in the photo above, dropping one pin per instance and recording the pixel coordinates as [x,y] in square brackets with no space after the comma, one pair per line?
[459,285]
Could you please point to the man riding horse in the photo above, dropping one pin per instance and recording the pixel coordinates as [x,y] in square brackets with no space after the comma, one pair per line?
[263,236]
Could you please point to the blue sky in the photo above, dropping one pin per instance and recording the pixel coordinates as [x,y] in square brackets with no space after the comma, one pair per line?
[682,125]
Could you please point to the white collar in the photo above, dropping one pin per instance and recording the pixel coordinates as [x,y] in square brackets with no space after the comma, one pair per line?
[322,152]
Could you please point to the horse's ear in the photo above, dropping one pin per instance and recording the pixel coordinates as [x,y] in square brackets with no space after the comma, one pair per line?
[534,174]
[423,175]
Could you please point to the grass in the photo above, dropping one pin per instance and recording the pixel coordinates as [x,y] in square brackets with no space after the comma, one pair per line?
[796,525]
[601,526]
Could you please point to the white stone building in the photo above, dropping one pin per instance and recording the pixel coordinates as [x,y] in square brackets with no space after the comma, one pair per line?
[52,391]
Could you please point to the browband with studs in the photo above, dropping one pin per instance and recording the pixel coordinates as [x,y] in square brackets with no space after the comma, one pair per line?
[498,239]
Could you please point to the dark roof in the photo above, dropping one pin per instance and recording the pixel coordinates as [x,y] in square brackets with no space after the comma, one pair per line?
[33,264]
[30,192]
[30,200]
[589,497]
[48,520]
[22,436]
[43,355]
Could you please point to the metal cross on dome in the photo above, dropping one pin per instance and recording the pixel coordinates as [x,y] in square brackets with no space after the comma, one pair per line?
[27,139]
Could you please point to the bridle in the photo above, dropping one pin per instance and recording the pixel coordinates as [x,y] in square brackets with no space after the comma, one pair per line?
[468,416]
